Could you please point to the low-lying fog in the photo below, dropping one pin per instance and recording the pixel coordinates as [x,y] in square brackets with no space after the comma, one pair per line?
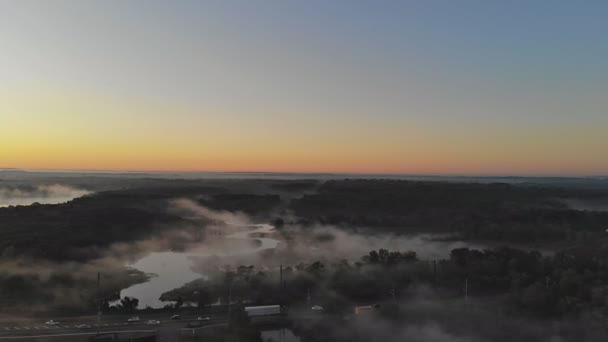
[181,254]
[43,194]
[600,204]
[237,240]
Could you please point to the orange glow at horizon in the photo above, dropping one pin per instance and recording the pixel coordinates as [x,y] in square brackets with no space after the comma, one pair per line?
[304,87]
[86,133]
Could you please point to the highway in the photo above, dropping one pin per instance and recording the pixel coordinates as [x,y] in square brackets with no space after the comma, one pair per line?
[167,329]
[86,326]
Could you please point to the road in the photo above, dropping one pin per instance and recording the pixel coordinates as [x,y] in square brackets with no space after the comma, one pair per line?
[167,330]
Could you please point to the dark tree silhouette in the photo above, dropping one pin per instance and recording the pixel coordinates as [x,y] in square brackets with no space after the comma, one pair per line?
[178,303]
[128,304]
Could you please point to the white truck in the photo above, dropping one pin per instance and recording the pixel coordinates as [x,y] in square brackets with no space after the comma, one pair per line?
[262,311]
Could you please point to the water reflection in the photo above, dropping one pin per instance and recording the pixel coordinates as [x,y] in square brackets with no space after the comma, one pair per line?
[171,270]
[174,269]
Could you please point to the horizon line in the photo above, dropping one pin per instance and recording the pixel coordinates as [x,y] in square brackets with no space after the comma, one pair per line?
[396,174]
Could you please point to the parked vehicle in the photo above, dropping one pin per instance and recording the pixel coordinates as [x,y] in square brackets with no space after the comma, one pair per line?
[317,308]
[203,318]
[51,322]
[133,319]
[176,317]
[152,322]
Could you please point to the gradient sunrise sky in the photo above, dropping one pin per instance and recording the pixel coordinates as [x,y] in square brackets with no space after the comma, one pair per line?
[440,87]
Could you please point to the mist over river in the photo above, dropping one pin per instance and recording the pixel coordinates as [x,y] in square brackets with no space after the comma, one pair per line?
[174,269]
[171,269]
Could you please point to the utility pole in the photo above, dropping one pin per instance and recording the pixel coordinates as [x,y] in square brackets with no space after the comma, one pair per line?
[282,331]
[98,299]
[198,295]
[230,299]
[230,296]
[308,296]
[281,287]
[435,272]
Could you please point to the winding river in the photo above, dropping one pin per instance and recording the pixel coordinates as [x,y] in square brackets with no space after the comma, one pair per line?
[174,269]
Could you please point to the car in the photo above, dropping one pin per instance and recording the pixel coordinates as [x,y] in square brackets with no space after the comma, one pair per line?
[152,322]
[84,326]
[51,322]
[176,317]
[203,318]
[133,319]
[317,308]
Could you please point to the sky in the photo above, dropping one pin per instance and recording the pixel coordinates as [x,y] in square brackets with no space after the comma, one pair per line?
[415,87]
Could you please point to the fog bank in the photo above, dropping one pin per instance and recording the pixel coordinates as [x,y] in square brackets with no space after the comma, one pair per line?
[43,194]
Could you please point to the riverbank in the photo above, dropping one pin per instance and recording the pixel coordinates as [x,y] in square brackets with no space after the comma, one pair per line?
[174,269]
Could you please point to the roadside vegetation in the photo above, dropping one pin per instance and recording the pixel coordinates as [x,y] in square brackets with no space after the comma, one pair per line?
[563,285]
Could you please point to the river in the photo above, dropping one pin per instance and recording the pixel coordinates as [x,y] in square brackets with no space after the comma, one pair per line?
[174,269]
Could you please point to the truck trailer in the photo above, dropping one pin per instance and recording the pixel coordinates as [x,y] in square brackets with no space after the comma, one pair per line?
[263,311]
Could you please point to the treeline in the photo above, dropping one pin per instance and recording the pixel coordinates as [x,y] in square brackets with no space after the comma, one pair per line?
[495,211]
[80,229]
[252,204]
[547,286]
[63,290]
